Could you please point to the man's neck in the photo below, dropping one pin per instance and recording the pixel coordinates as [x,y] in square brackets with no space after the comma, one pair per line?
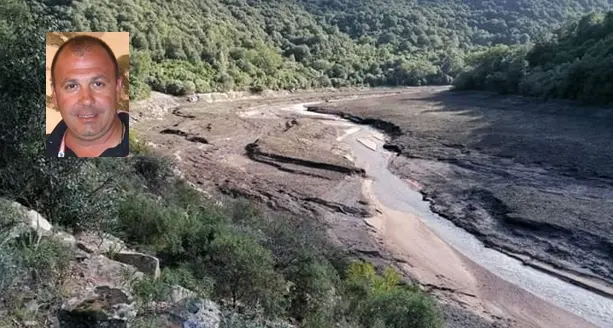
[94,148]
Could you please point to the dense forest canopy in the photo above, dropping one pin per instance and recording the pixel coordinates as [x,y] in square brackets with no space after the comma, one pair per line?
[185,46]
[576,63]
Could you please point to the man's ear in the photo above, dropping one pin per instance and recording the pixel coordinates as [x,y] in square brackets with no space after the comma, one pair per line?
[54,97]
[119,85]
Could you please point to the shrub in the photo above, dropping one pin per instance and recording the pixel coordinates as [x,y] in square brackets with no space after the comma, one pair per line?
[401,308]
[175,87]
[137,145]
[236,320]
[189,87]
[256,89]
[47,260]
[379,301]
[244,272]
[313,294]
[145,221]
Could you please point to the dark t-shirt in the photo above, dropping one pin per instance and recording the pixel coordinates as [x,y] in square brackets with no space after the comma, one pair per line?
[55,139]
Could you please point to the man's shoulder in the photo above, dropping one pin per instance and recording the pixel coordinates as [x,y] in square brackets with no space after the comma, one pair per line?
[123,114]
[54,139]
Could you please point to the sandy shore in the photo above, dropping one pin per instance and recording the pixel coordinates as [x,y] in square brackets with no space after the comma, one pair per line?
[434,263]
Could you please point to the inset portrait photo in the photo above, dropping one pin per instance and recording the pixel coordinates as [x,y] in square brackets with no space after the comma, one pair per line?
[87,94]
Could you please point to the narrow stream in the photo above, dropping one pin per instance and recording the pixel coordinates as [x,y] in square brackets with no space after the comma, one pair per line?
[395,193]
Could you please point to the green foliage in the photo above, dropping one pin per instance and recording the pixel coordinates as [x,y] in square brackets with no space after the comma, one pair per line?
[235,320]
[184,46]
[380,301]
[400,308]
[137,145]
[313,293]
[364,274]
[48,259]
[149,289]
[576,62]
[70,192]
[500,68]
[244,272]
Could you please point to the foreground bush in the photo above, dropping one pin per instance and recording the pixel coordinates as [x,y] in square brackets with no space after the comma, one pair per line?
[381,300]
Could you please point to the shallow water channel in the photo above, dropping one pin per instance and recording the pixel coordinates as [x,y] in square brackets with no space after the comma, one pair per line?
[396,194]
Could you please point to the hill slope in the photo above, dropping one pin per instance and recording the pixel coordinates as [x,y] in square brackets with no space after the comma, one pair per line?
[186,45]
[575,63]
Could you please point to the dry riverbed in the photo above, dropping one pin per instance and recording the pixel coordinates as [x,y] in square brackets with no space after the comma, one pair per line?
[523,175]
[273,152]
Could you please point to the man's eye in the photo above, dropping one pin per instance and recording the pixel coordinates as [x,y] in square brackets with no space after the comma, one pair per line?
[99,84]
[70,86]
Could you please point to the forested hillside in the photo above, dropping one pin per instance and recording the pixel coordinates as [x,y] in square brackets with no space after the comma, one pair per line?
[264,269]
[576,63]
[184,46]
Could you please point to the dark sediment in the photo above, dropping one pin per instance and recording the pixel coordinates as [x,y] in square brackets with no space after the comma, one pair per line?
[523,176]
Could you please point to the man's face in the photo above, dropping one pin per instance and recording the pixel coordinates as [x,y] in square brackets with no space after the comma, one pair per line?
[85,91]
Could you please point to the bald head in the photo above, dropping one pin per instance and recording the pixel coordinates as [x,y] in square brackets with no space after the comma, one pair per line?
[80,47]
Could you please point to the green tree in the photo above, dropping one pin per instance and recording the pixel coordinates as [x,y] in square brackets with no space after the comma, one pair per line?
[244,272]
[401,308]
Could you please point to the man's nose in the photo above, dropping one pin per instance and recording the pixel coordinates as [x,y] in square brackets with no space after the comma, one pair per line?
[85,97]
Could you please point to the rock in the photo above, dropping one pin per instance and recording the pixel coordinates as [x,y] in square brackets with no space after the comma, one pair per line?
[65,239]
[98,270]
[180,293]
[143,262]
[196,312]
[38,223]
[105,306]
[99,244]
[189,312]
[31,218]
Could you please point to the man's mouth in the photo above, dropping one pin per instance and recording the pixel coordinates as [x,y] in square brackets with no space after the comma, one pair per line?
[87,118]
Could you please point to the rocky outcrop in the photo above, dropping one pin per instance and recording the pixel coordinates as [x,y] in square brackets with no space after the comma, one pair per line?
[144,263]
[99,280]
[65,239]
[113,247]
[180,293]
[102,307]
[99,270]
[24,219]
[197,312]
[99,243]
[188,312]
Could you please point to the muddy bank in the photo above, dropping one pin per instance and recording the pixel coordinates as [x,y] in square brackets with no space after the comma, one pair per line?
[522,175]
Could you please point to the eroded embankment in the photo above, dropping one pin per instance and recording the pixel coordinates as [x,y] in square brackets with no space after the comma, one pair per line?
[265,153]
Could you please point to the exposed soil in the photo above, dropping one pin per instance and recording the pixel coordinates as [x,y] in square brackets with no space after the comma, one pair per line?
[260,150]
[527,176]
